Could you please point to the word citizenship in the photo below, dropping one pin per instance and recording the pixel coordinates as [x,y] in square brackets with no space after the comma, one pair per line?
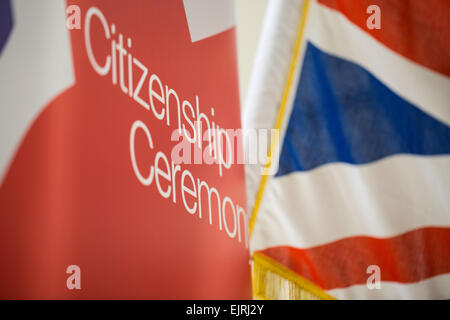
[171,180]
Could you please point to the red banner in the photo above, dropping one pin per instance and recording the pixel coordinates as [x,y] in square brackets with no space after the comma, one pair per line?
[92,202]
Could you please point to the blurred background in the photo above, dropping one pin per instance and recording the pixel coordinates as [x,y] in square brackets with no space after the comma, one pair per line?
[249,17]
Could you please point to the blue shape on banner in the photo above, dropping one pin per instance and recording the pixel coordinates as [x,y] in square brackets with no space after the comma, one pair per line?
[342,113]
[6,22]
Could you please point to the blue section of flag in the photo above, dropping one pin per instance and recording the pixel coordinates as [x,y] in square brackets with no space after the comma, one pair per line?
[342,113]
[6,22]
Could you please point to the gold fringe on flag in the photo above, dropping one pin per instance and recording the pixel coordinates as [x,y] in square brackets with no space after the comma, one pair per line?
[273,281]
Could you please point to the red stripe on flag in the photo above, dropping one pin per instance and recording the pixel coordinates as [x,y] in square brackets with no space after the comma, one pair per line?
[415,29]
[410,257]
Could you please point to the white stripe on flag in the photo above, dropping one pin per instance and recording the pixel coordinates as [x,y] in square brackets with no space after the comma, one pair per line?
[332,32]
[339,200]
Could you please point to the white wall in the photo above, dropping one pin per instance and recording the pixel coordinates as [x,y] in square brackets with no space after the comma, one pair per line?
[249,17]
